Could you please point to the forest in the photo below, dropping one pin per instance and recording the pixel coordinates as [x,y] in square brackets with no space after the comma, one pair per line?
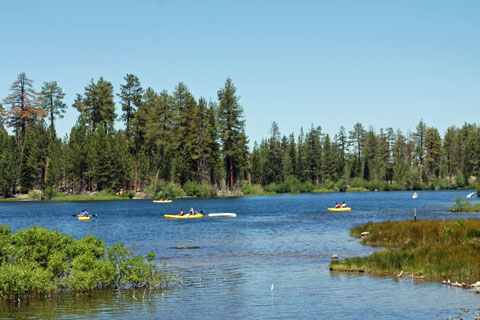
[172,144]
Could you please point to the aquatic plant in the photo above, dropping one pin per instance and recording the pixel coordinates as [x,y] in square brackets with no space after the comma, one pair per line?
[464,206]
[435,249]
[37,262]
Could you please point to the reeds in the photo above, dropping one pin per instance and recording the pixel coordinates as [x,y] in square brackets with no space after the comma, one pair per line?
[435,249]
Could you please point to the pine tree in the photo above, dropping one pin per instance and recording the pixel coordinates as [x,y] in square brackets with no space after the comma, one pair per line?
[9,155]
[96,106]
[313,155]
[232,132]
[27,172]
[25,110]
[419,153]
[433,151]
[186,128]
[273,164]
[51,100]
[131,94]
[357,140]
[328,163]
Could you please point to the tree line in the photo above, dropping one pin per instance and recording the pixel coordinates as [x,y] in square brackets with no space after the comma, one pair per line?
[175,144]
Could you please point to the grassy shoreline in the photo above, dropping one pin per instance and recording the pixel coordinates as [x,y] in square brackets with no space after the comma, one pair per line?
[36,195]
[431,250]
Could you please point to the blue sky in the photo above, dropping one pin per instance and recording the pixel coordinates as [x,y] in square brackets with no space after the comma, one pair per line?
[327,63]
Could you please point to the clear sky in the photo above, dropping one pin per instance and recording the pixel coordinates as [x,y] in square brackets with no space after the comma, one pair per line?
[327,63]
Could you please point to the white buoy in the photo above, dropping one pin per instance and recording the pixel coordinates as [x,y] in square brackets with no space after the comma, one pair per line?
[415,196]
[271,289]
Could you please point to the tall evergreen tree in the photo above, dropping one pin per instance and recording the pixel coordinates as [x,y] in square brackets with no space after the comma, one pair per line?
[131,94]
[433,151]
[25,110]
[96,106]
[232,132]
[357,140]
[51,100]
[419,138]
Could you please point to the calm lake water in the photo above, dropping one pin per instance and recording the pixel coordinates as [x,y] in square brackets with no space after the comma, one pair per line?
[284,240]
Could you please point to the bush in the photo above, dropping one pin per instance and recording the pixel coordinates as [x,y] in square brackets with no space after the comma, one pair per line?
[191,189]
[478,189]
[108,192]
[130,194]
[341,185]
[358,183]
[291,185]
[460,181]
[307,187]
[329,184]
[172,190]
[49,193]
[252,189]
[38,262]
[207,190]
[397,187]
[34,195]
[272,187]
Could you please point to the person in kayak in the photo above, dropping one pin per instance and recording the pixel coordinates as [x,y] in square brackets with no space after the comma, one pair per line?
[191,212]
[337,205]
[344,205]
[181,213]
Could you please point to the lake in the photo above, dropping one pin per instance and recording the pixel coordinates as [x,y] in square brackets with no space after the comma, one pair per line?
[283,241]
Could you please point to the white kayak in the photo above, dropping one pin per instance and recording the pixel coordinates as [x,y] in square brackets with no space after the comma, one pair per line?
[229,215]
[470,195]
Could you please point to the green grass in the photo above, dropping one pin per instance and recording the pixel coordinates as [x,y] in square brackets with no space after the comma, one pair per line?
[357,189]
[96,197]
[437,249]
[322,190]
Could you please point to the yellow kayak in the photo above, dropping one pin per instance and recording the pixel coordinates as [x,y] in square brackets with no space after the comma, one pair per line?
[162,201]
[84,218]
[339,209]
[186,216]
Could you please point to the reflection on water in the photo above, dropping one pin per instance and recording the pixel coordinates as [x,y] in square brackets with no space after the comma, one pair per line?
[284,241]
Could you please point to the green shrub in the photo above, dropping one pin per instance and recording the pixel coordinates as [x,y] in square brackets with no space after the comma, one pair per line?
[34,195]
[207,190]
[49,193]
[478,189]
[291,185]
[130,194]
[108,192]
[37,262]
[341,185]
[252,189]
[272,187]
[307,187]
[172,190]
[396,187]
[329,184]
[460,181]
[191,189]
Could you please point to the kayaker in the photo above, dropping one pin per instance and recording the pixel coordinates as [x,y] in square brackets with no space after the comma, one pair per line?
[191,212]
[344,205]
[181,212]
[337,205]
